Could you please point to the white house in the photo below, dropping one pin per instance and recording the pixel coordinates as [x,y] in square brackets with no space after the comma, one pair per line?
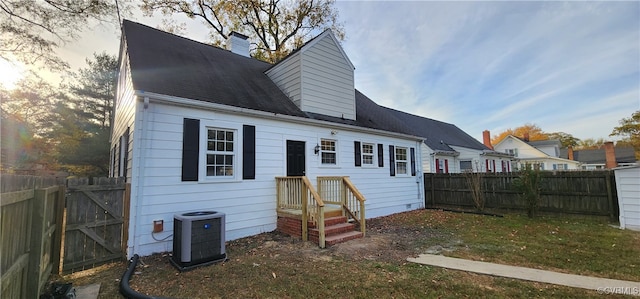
[198,127]
[544,154]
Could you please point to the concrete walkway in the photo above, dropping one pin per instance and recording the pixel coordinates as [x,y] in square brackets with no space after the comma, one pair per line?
[602,285]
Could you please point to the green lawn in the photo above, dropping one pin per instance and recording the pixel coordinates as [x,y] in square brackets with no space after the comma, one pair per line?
[272,265]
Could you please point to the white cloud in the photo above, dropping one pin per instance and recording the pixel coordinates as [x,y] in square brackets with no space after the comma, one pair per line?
[498,64]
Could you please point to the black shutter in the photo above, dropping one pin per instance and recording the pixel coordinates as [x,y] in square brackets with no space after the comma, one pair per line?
[413,161]
[380,156]
[392,161]
[190,149]
[357,153]
[248,152]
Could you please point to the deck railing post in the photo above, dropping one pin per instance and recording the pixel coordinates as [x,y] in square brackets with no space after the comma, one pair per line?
[321,238]
[305,225]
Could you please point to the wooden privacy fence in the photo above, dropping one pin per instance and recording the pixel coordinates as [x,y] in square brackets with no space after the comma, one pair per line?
[95,226]
[571,192]
[34,228]
[31,216]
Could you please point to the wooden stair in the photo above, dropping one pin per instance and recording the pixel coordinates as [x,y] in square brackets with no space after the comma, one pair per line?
[336,230]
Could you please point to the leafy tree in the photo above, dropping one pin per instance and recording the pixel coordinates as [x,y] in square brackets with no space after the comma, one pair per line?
[95,88]
[32,30]
[276,27]
[83,120]
[630,129]
[535,133]
[565,138]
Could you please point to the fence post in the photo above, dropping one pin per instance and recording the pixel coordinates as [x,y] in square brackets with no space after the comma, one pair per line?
[610,196]
[126,211]
[35,245]
[56,255]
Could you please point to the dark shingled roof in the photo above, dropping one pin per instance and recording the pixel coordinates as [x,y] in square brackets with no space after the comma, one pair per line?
[439,135]
[624,154]
[168,64]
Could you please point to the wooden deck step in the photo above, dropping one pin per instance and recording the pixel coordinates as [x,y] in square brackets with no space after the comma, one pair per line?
[330,221]
[332,230]
[344,237]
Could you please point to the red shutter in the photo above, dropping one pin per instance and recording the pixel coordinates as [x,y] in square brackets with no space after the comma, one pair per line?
[437,165]
[486,162]
[446,166]
[494,166]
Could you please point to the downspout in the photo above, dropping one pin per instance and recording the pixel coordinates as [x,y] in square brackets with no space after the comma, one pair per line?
[140,176]
[420,173]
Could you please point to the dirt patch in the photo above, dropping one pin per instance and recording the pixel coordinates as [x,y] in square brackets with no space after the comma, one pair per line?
[385,241]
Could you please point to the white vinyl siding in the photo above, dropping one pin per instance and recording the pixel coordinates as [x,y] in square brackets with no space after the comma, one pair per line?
[327,81]
[318,78]
[287,75]
[628,188]
[250,205]
[124,117]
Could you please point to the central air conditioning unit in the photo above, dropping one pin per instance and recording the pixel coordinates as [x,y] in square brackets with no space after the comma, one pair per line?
[198,239]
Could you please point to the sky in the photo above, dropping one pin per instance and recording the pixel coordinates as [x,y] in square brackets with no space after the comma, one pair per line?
[570,67]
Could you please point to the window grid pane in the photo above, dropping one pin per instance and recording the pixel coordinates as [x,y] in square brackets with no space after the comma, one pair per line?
[220,153]
[328,151]
[401,160]
[367,153]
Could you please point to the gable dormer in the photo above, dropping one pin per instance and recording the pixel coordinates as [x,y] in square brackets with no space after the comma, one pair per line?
[318,78]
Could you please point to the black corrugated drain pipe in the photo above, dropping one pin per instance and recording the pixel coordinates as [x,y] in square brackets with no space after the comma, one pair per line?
[125,290]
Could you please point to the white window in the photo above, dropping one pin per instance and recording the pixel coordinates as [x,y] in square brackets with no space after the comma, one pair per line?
[560,166]
[401,160]
[328,153]
[512,151]
[220,152]
[367,153]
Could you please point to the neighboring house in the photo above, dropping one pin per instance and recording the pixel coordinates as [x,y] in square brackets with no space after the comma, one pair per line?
[596,159]
[448,149]
[203,128]
[543,155]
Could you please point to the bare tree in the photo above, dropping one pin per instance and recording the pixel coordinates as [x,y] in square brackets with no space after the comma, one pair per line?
[275,27]
[32,30]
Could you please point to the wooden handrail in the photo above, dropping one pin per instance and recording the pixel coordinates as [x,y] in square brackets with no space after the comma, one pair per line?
[340,190]
[313,191]
[352,187]
[347,183]
[295,195]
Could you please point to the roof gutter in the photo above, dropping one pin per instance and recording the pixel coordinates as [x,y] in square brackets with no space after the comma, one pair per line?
[161,98]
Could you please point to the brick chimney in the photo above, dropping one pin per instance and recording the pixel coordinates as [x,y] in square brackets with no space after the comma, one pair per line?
[526,137]
[238,43]
[610,155]
[486,139]
[570,152]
